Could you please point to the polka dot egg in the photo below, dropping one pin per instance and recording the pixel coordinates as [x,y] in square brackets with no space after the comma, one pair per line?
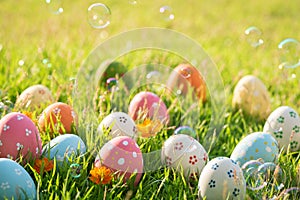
[284,125]
[58,117]
[257,145]
[251,95]
[184,152]
[19,136]
[118,124]
[122,154]
[222,178]
[15,182]
[34,97]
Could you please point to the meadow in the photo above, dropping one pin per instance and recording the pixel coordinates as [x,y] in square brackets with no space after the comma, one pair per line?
[40,47]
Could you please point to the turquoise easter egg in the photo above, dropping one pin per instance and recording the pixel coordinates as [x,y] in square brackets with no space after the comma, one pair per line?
[15,182]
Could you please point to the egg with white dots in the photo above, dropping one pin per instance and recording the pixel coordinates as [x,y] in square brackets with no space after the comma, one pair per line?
[284,125]
[123,156]
[251,95]
[182,152]
[118,124]
[15,182]
[222,178]
[63,147]
[258,145]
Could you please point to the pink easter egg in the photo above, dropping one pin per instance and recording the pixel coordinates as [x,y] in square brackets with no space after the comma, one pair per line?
[149,104]
[19,136]
[122,154]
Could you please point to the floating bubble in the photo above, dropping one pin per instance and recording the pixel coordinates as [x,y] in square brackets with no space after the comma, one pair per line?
[21,62]
[254,36]
[75,170]
[133,2]
[111,84]
[55,6]
[270,171]
[185,130]
[289,53]
[166,11]
[99,15]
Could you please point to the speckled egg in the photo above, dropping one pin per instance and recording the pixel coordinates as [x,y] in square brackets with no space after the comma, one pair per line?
[222,178]
[251,95]
[34,97]
[284,125]
[19,136]
[258,145]
[184,152]
[122,154]
[118,124]
[15,182]
[64,146]
[186,76]
[148,106]
[58,117]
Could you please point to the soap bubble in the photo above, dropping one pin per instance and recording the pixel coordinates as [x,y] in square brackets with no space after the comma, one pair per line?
[167,13]
[185,130]
[55,6]
[254,36]
[133,2]
[111,84]
[289,53]
[99,15]
[75,170]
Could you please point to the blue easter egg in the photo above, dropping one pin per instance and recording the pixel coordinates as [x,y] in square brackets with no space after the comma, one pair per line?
[257,145]
[63,146]
[15,182]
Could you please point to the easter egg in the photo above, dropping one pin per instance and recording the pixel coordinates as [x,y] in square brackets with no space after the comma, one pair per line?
[122,154]
[254,146]
[58,117]
[284,125]
[186,76]
[148,109]
[15,182]
[34,97]
[222,178]
[64,146]
[19,136]
[185,130]
[184,152]
[251,95]
[118,124]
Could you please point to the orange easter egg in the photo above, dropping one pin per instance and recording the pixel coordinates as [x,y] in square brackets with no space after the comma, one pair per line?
[186,76]
[58,117]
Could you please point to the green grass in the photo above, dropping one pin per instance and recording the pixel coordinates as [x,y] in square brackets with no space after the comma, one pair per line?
[29,32]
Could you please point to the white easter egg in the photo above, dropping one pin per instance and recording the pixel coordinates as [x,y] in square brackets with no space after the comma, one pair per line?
[182,152]
[284,125]
[251,95]
[64,146]
[15,182]
[118,124]
[222,178]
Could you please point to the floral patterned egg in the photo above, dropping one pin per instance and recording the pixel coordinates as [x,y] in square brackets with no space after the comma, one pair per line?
[15,182]
[185,76]
[222,178]
[118,124]
[19,136]
[64,146]
[34,97]
[284,125]
[184,152]
[58,117]
[257,145]
[251,95]
[122,154]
